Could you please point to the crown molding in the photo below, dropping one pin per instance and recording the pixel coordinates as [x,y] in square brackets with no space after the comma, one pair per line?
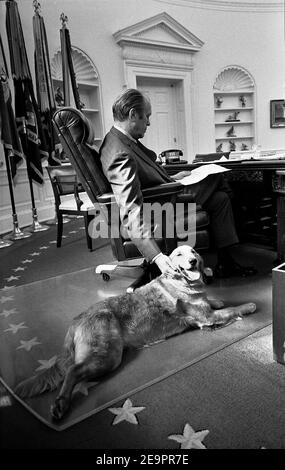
[253,6]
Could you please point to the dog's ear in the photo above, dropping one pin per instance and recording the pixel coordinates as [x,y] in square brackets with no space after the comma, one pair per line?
[201,264]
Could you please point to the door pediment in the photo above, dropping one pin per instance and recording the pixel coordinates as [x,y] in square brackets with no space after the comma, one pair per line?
[160,31]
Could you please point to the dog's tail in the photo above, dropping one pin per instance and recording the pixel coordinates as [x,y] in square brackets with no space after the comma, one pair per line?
[49,379]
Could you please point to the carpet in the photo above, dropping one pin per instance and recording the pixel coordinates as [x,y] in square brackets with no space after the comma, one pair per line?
[34,319]
[39,258]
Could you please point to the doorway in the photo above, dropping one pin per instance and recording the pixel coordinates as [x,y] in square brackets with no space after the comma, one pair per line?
[167,122]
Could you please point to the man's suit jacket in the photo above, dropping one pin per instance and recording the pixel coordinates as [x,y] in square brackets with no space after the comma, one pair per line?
[131,167]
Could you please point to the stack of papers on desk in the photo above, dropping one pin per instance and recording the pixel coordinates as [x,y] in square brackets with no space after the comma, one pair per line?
[222,159]
[200,173]
[276,156]
[261,155]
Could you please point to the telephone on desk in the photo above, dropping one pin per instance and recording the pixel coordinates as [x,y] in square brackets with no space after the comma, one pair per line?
[171,156]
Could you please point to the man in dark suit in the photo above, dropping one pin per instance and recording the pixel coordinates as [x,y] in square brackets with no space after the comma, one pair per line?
[130,167]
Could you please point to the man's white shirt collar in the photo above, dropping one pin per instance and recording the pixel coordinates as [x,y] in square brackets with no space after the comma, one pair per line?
[124,132]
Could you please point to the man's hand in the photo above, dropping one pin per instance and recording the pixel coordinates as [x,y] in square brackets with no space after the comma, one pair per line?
[181,174]
[164,264]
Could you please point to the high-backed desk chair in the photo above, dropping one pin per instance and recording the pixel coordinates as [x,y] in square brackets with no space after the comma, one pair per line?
[76,136]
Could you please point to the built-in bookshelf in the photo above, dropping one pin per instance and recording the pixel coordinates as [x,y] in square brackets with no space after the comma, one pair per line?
[234,110]
[88,83]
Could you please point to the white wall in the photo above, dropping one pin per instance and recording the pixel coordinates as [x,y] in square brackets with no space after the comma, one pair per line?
[253,40]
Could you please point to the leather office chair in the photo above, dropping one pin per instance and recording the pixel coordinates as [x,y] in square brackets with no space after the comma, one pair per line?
[64,182]
[76,136]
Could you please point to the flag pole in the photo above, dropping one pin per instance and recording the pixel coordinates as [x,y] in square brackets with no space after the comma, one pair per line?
[68,73]
[36,226]
[5,243]
[25,103]
[65,70]
[11,145]
[17,233]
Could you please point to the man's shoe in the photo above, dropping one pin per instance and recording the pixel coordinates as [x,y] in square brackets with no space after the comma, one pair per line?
[233,269]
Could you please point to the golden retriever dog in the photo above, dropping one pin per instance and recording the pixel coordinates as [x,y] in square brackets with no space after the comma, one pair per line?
[96,339]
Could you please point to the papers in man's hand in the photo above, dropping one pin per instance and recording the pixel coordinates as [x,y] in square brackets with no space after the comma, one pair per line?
[200,173]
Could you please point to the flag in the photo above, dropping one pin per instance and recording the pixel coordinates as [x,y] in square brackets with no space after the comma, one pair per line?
[26,108]
[45,93]
[9,133]
[67,65]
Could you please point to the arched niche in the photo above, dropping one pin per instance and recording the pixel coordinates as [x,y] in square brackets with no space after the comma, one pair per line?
[87,79]
[234,109]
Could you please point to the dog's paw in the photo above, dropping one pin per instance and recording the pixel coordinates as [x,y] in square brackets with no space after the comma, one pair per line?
[216,303]
[246,309]
[59,408]
[250,308]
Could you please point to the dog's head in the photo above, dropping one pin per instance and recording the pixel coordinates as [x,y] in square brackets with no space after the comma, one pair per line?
[188,262]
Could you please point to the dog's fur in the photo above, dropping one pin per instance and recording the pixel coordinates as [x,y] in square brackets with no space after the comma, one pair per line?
[96,339]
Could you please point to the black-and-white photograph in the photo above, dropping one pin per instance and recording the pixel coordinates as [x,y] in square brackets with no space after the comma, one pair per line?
[142,227]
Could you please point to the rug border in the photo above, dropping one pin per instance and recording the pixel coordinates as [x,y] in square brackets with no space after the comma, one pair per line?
[133,391]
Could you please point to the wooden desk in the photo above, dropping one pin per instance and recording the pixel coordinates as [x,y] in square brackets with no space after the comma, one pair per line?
[270,165]
[273,177]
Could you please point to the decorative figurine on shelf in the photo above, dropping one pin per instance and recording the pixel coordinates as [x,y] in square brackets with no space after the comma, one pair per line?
[231,132]
[233,117]
[219,101]
[219,147]
[244,147]
[59,97]
[242,100]
[232,146]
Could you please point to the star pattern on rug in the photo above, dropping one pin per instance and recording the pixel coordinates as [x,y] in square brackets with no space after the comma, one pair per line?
[44,247]
[52,242]
[25,261]
[6,313]
[29,344]
[8,287]
[12,278]
[190,439]
[15,328]
[35,253]
[19,268]
[126,413]
[5,401]
[4,299]
[47,364]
